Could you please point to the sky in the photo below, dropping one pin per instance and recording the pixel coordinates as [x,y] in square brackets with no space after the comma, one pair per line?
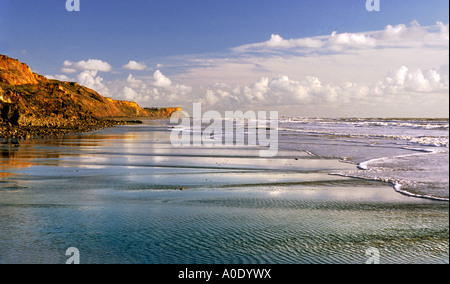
[311,58]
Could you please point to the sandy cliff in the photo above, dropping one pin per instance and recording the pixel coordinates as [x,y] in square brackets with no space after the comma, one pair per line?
[13,72]
[28,99]
[36,96]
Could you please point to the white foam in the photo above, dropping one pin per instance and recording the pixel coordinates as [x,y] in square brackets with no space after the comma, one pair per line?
[381,138]
[399,188]
[422,132]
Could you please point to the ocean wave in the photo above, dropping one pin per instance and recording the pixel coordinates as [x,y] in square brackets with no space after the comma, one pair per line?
[425,124]
[410,154]
[399,188]
[404,181]
[425,141]
[431,141]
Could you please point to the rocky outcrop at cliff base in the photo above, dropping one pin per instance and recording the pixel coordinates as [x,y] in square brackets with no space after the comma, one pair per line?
[9,114]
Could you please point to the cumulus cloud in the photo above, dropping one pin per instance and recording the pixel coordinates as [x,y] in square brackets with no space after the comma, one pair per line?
[399,91]
[89,65]
[150,91]
[63,78]
[68,67]
[342,41]
[402,67]
[211,98]
[129,93]
[405,80]
[90,79]
[87,74]
[415,32]
[278,42]
[443,30]
[351,40]
[133,65]
[161,80]
[135,83]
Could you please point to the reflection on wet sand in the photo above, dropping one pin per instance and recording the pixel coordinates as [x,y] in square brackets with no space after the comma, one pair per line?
[115,195]
[12,156]
[20,155]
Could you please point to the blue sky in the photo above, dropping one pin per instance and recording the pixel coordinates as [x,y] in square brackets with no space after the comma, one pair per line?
[226,52]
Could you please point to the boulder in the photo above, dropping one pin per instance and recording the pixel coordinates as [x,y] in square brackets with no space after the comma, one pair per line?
[9,113]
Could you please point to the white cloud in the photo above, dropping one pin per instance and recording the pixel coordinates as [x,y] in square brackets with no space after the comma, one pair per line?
[399,34]
[63,78]
[89,65]
[150,91]
[91,80]
[443,30]
[161,80]
[352,40]
[211,98]
[135,83]
[403,65]
[399,92]
[278,42]
[87,74]
[129,93]
[68,67]
[133,65]
[400,70]
[257,93]
[414,81]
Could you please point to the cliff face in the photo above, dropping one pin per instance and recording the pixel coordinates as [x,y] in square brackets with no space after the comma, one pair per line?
[131,109]
[161,112]
[36,98]
[12,72]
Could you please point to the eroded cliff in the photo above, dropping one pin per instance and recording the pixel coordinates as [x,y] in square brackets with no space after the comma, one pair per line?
[28,99]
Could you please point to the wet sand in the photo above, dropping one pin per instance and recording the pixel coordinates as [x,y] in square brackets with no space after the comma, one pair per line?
[115,195]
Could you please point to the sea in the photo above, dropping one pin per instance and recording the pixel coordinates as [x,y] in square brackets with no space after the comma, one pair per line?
[339,191]
[411,154]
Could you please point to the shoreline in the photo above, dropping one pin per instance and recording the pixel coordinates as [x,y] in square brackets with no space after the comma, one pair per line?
[396,185]
[9,133]
[15,134]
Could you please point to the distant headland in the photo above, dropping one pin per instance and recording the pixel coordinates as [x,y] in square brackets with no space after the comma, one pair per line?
[34,106]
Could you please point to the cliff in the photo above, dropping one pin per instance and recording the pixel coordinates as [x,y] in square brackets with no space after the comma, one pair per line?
[28,99]
[13,72]
[157,113]
[131,109]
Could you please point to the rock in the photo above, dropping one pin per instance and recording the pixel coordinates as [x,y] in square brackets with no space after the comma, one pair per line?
[9,113]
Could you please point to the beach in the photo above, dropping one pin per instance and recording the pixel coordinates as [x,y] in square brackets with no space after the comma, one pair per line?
[126,195]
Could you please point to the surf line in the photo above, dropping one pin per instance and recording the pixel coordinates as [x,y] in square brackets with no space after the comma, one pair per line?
[398,187]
